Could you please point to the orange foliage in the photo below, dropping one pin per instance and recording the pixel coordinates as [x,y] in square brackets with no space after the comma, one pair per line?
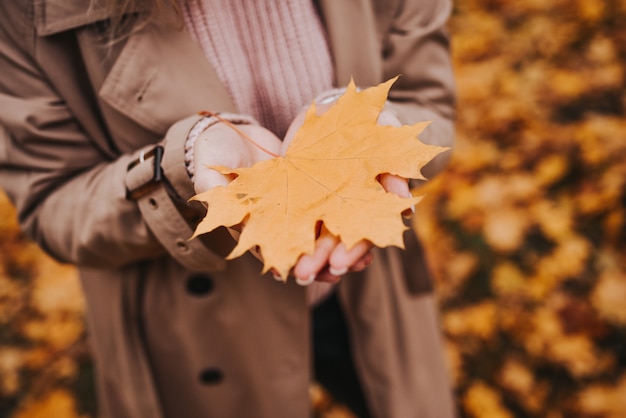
[44,359]
[526,229]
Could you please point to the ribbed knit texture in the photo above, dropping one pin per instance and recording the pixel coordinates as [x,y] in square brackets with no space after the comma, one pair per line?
[272,55]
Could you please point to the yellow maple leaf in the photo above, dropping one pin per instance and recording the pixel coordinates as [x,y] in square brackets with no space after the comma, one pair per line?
[328,174]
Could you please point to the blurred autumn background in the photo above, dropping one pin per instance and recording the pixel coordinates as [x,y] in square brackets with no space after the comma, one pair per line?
[526,232]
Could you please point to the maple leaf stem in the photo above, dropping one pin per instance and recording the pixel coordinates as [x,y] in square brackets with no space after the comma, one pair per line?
[241,133]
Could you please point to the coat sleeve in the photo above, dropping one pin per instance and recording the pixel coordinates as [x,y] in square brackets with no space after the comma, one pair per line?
[71,195]
[416,46]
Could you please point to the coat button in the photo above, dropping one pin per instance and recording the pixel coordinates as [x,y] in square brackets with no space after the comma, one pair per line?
[211,376]
[200,285]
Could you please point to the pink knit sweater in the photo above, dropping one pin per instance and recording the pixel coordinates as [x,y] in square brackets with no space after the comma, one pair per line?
[272,55]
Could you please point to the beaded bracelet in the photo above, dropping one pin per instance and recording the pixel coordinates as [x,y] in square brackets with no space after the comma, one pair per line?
[202,125]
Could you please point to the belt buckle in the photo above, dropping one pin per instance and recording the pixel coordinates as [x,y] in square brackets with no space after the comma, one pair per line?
[157,173]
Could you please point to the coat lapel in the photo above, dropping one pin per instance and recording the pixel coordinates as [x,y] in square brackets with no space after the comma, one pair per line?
[159,77]
[162,76]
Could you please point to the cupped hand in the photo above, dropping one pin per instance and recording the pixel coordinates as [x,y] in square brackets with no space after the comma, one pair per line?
[221,145]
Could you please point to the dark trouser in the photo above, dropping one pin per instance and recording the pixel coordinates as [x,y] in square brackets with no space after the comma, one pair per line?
[334,368]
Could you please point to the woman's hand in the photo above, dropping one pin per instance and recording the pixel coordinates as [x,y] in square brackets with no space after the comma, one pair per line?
[223,145]
[232,147]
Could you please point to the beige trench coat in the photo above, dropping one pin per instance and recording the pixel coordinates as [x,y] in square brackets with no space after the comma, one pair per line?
[177,331]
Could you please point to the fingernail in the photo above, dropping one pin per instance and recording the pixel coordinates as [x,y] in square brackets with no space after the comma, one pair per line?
[409,212]
[337,272]
[307,281]
[277,277]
